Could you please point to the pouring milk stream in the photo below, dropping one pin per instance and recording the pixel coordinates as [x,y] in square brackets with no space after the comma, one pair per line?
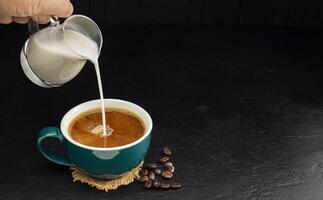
[90,50]
[56,54]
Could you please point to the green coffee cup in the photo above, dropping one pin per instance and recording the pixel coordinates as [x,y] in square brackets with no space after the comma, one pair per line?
[103,163]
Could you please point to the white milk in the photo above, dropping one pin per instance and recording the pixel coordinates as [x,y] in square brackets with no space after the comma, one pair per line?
[47,48]
[65,59]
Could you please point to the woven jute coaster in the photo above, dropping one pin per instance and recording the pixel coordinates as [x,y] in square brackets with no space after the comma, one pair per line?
[106,185]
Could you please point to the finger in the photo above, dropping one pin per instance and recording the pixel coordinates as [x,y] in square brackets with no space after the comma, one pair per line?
[25,8]
[40,19]
[60,8]
[21,20]
[69,11]
[17,8]
[5,20]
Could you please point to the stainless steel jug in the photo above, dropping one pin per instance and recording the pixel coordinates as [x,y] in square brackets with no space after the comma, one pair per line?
[48,59]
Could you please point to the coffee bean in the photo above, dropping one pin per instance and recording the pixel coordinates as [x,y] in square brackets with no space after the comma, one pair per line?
[171,169]
[148,184]
[164,185]
[151,175]
[151,165]
[167,151]
[156,183]
[157,171]
[143,172]
[143,179]
[168,164]
[167,175]
[175,185]
[164,159]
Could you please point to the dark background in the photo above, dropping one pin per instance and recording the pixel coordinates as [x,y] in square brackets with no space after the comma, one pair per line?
[234,87]
[280,13]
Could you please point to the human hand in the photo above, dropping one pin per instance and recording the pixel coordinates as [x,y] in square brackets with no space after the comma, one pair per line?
[40,11]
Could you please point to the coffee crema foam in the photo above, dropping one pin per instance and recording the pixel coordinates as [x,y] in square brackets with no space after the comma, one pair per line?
[86,128]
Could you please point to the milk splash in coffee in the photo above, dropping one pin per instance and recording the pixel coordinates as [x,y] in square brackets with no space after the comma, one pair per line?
[89,49]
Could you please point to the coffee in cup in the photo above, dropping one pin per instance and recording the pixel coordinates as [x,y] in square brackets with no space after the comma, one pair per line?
[125,128]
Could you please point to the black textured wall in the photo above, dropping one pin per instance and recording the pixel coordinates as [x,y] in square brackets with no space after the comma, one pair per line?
[281,13]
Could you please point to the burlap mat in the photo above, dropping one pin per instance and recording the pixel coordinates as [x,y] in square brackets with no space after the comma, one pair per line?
[106,185]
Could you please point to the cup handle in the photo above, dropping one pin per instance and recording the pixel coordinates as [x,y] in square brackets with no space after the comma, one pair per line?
[34,28]
[53,132]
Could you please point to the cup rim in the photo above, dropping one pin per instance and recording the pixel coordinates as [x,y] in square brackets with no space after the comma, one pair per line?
[69,116]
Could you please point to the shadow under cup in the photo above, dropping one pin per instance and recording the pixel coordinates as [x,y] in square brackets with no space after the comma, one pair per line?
[103,163]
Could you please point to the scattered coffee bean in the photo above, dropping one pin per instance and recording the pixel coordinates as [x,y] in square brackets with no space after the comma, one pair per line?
[165,185]
[148,184]
[171,169]
[168,164]
[175,185]
[143,179]
[167,151]
[156,183]
[164,159]
[151,175]
[157,171]
[143,172]
[152,166]
[166,170]
[167,174]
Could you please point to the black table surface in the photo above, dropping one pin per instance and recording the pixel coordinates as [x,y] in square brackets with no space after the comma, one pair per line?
[242,108]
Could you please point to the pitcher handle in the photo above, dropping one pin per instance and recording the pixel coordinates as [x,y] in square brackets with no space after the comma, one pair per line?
[34,28]
[54,21]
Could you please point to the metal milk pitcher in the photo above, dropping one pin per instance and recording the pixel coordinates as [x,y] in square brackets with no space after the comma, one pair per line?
[48,59]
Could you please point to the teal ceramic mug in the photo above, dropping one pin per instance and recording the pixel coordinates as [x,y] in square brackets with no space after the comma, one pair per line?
[104,163]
